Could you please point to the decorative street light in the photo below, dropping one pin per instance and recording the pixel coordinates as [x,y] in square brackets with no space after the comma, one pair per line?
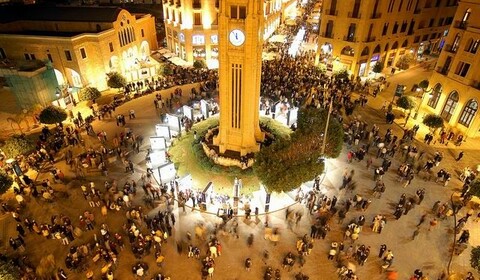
[58,94]
[424,93]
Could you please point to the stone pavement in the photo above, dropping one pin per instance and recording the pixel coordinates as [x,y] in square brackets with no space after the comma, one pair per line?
[428,252]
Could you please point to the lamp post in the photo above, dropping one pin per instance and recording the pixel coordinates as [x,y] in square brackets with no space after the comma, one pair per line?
[57,94]
[424,92]
[324,142]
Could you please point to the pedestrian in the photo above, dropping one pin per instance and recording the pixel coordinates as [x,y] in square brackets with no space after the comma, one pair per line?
[383,248]
[248,264]
[460,156]
[20,230]
[433,223]
[250,240]
[415,233]
[422,220]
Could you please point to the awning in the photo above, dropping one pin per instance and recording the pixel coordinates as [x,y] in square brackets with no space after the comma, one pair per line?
[178,61]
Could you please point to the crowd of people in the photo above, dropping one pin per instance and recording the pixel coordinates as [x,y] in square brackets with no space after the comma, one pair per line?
[290,80]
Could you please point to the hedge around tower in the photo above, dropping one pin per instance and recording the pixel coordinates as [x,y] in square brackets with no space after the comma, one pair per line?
[287,163]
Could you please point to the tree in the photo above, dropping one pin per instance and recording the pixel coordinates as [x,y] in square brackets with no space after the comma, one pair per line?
[433,121]
[377,67]
[6,182]
[89,93]
[199,64]
[405,103]
[475,258]
[8,271]
[165,69]
[52,115]
[287,163]
[116,80]
[17,145]
[404,61]
[322,68]
[424,85]
[341,74]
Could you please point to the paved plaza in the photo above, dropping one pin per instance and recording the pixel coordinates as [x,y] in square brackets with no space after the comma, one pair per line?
[429,251]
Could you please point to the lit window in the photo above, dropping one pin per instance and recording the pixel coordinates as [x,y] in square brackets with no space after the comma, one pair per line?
[214,39]
[468,113]
[198,40]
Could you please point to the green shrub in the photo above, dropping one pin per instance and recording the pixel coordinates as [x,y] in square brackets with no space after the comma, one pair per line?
[52,115]
[17,145]
[89,93]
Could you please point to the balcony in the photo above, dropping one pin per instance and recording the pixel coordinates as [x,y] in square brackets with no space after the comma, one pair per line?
[461,24]
[354,15]
[331,12]
[370,39]
[442,70]
[376,15]
[327,35]
[196,5]
[349,38]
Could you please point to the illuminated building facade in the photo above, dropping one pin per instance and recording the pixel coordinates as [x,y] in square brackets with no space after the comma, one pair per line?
[355,34]
[455,83]
[82,43]
[191,26]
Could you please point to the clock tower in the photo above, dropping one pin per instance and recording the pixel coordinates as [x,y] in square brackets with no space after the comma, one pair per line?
[240,32]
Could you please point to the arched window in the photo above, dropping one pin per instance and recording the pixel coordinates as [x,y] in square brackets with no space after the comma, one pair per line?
[348,51]
[395,46]
[376,49]
[450,105]
[386,47]
[437,92]
[405,44]
[468,113]
[365,51]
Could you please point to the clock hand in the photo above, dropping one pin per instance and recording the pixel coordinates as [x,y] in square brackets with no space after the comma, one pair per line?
[236,35]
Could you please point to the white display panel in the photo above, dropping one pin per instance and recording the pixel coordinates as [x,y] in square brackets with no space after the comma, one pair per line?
[167,172]
[188,112]
[162,130]
[158,158]
[173,122]
[292,116]
[158,143]
[205,108]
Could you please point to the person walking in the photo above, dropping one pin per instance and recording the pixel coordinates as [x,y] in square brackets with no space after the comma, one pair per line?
[415,233]
[433,223]
[248,264]
[383,248]
[460,156]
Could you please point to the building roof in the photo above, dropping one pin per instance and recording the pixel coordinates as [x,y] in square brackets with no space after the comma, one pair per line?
[46,13]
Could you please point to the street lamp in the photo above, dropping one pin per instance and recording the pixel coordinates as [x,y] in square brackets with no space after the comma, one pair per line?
[424,93]
[324,142]
[57,94]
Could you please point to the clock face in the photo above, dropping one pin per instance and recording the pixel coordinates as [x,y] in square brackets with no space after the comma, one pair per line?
[237,37]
